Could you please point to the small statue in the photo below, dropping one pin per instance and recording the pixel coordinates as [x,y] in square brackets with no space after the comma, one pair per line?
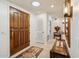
[57,28]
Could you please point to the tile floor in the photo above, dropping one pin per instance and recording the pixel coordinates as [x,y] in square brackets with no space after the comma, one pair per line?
[46,48]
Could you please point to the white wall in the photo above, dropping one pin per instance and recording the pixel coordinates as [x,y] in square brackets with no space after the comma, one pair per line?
[75,30]
[57,22]
[43,17]
[4,29]
[33,28]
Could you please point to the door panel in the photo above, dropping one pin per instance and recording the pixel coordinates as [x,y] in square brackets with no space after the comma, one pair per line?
[15,19]
[26,21]
[16,39]
[19,30]
[26,34]
[21,37]
[21,20]
[11,22]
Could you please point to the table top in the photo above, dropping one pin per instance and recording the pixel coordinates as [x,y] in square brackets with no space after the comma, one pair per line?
[60,47]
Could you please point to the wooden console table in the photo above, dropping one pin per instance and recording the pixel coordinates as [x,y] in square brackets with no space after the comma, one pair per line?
[59,50]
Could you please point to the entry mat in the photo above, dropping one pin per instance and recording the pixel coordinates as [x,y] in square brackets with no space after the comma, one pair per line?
[32,52]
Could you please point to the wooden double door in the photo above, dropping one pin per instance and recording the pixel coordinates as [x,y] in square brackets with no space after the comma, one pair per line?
[19,30]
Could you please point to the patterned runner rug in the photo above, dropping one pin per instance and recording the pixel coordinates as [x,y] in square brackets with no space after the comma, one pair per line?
[32,52]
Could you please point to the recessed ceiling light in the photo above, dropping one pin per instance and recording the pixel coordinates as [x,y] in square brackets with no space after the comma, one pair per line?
[36,4]
[52,6]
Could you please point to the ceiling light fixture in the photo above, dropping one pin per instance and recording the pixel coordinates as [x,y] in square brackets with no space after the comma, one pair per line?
[36,4]
[52,6]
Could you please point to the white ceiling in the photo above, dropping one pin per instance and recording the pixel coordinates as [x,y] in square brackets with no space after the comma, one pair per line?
[57,11]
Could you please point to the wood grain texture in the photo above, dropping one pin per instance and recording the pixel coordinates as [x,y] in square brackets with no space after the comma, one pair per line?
[19,30]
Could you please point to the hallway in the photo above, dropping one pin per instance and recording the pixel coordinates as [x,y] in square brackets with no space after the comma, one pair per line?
[39,28]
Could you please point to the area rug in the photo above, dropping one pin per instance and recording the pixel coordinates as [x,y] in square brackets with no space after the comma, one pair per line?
[32,52]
